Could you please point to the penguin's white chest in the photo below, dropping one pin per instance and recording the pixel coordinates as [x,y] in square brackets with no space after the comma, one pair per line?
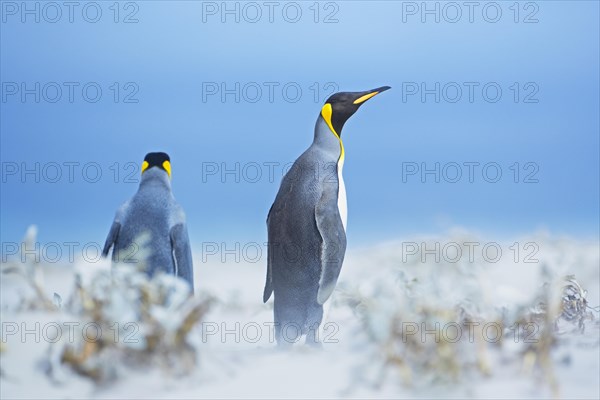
[342,205]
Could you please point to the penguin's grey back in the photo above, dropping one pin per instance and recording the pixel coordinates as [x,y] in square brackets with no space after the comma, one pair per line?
[146,221]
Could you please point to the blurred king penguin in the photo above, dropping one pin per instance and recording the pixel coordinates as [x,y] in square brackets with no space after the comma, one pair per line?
[152,221]
[307,225]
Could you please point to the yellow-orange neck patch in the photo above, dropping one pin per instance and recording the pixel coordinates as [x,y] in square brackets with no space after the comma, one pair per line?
[326,113]
[167,166]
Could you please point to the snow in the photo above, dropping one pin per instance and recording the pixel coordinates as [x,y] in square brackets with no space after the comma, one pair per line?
[238,358]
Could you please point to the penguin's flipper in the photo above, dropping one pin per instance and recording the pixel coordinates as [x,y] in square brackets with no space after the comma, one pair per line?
[269,281]
[268,284]
[111,238]
[182,253]
[333,243]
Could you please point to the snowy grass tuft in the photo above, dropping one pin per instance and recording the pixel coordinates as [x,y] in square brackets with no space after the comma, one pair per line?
[444,323]
[120,318]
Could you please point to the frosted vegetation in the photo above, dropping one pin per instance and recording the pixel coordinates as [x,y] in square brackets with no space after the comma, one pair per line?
[397,326]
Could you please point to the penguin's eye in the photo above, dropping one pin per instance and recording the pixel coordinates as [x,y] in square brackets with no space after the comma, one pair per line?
[144,166]
[167,167]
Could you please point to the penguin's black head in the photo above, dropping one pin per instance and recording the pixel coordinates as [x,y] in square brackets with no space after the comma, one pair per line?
[342,105]
[159,160]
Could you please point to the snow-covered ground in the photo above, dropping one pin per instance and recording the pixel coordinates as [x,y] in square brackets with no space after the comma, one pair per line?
[238,359]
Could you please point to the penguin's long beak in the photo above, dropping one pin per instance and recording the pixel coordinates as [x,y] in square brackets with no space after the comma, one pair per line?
[361,97]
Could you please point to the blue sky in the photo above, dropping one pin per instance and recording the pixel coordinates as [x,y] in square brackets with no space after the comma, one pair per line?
[545,123]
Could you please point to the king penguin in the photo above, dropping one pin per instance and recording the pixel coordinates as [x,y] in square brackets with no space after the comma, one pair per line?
[153,215]
[307,226]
